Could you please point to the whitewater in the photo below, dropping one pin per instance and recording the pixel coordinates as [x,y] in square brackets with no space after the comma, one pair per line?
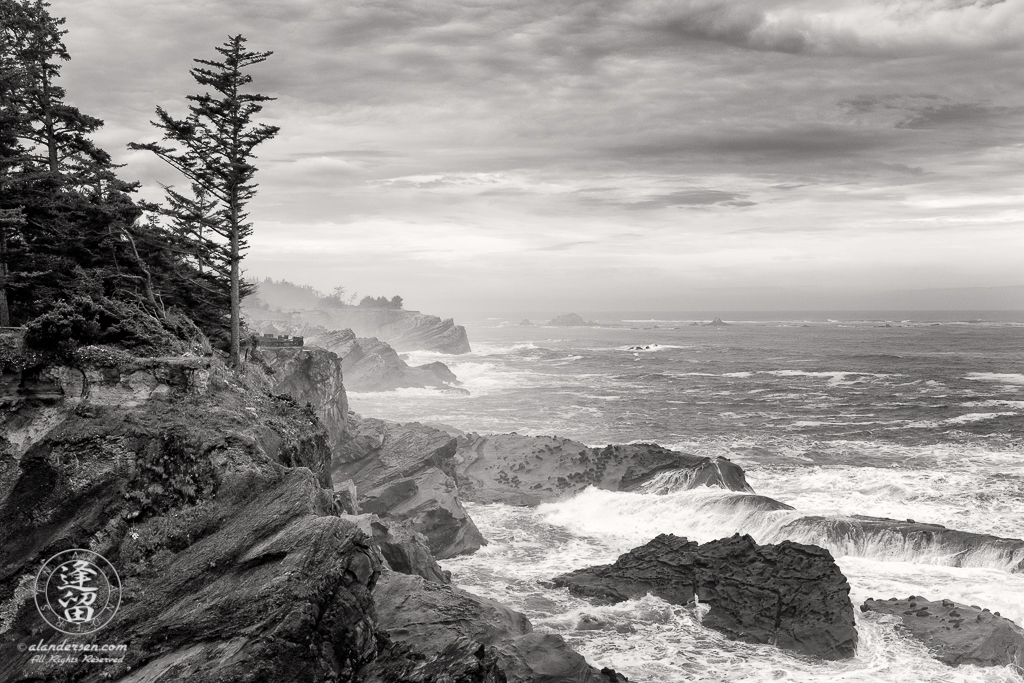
[917,417]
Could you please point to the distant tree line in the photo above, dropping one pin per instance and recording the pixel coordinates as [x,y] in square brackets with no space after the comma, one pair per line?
[381,302]
[282,294]
[82,259]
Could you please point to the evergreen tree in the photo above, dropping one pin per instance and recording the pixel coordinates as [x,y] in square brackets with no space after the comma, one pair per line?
[65,211]
[213,148]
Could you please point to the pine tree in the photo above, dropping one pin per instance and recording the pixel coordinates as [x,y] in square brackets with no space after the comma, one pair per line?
[213,148]
[66,211]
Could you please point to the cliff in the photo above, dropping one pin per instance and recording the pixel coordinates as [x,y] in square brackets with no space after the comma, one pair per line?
[368,364]
[403,330]
[208,495]
[212,497]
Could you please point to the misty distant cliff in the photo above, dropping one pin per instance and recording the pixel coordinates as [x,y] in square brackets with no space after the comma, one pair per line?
[402,330]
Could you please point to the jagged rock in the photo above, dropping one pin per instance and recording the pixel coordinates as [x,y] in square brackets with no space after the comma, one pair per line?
[468,638]
[790,595]
[957,634]
[526,322]
[850,535]
[346,498]
[214,511]
[311,375]
[530,470]
[717,322]
[569,320]
[407,472]
[404,550]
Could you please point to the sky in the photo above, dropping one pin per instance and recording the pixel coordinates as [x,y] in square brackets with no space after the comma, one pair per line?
[603,154]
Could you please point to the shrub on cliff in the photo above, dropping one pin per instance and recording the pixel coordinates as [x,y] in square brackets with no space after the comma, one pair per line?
[83,321]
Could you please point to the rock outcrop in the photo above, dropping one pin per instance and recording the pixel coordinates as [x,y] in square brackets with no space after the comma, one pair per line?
[431,627]
[368,363]
[403,330]
[957,634]
[530,470]
[570,320]
[790,595]
[213,500]
[407,473]
[402,549]
[910,540]
[314,376]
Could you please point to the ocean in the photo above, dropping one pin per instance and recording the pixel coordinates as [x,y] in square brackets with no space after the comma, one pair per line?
[906,416]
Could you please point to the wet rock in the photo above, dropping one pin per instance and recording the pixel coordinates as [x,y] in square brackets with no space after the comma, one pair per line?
[530,470]
[467,638]
[406,473]
[790,595]
[957,634]
[214,512]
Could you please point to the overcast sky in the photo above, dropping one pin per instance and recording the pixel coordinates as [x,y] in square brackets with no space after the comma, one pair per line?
[601,154]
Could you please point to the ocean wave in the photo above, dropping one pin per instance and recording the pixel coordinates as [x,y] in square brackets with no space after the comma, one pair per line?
[1002,377]
[704,515]
[975,417]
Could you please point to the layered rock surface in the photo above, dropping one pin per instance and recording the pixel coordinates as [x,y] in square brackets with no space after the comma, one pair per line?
[407,473]
[473,638]
[957,634]
[790,595]
[213,498]
[211,502]
[314,376]
[530,470]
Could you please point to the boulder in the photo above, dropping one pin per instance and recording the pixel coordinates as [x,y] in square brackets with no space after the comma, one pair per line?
[957,634]
[790,595]
[440,633]
[406,473]
[530,470]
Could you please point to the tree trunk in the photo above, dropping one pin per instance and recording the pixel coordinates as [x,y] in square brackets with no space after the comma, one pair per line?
[235,322]
[51,135]
[5,311]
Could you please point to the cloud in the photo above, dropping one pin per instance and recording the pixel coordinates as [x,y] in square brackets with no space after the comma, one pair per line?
[691,198]
[538,132]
